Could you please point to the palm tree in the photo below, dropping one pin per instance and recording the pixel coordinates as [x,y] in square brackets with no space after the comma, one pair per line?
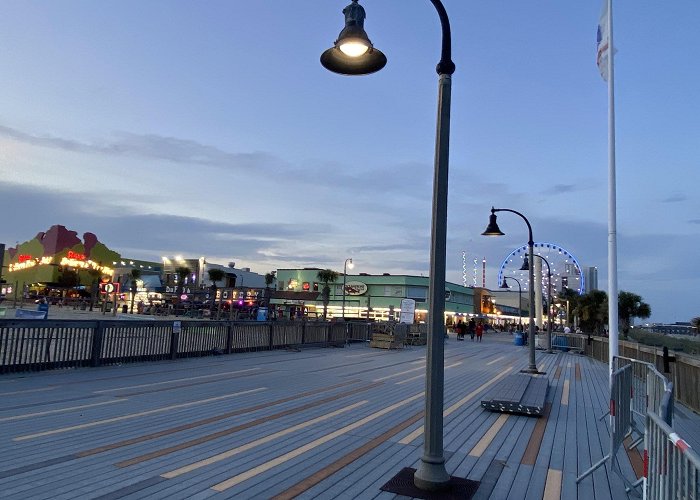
[326,276]
[95,274]
[572,297]
[695,322]
[135,275]
[593,310]
[269,280]
[215,275]
[630,305]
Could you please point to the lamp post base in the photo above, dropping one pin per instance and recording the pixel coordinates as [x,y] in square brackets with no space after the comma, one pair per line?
[431,475]
[532,371]
[402,484]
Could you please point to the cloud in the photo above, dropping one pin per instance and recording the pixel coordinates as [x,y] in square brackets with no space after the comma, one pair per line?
[675,198]
[151,147]
[563,189]
[407,179]
[146,236]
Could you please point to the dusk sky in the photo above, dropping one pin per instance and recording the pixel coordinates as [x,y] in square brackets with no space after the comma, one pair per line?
[210,128]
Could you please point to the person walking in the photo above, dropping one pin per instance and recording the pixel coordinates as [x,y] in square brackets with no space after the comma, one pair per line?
[460,329]
[471,328]
[479,331]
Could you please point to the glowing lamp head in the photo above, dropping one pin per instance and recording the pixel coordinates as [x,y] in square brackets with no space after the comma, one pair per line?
[354,48]
[350,264]
[353,53]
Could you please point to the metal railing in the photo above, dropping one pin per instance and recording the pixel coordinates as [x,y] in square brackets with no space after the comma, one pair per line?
[620,416]
[32,345]
[683,372]
[651,391]
[672,468]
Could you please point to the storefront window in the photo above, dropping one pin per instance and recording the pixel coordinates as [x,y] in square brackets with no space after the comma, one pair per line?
[416,292]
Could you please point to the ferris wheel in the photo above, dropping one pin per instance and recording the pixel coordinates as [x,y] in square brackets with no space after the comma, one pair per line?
[566,271]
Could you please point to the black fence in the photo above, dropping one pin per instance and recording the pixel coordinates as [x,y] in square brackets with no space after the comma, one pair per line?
[32,345]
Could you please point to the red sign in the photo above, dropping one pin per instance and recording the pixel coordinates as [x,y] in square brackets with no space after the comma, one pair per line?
[75,256]
[25,258]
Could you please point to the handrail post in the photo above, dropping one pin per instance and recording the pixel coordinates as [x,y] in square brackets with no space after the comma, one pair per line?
[97,336]
[229,337]
[174,341]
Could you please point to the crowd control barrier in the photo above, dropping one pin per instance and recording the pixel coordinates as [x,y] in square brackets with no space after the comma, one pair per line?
[620,415]
[651,391]
[672,468]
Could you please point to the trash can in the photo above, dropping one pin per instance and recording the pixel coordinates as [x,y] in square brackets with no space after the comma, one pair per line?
[125,309]
[519,339]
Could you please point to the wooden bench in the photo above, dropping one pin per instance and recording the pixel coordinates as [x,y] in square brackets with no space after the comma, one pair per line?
[518,393]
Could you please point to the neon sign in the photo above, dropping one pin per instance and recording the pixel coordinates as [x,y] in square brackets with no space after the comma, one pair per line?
[78,261]
[82,264]
[25,258]
[75,255]
[21,265]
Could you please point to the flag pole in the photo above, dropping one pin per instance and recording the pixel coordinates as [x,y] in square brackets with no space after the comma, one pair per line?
[613,333]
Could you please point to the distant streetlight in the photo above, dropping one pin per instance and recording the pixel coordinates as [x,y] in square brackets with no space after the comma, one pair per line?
[354,54]
[520,298]
[494,230]
[345,273]
[526,267]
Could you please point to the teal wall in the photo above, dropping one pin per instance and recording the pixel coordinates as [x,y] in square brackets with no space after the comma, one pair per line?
[383,292]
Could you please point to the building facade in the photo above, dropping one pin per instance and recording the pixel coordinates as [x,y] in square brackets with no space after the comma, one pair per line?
[590,278]
[379,297]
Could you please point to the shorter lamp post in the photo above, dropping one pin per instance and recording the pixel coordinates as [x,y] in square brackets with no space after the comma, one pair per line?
[520,298]
[493,230]
[345,273]
[526,267]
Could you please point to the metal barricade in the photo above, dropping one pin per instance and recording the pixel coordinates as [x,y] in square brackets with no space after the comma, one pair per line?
[672,468]
[651,391]
[620,415]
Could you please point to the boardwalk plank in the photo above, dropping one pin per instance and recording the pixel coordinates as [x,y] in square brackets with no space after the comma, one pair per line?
[49,467]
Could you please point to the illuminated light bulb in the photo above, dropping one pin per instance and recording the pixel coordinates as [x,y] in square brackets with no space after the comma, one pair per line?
[354,48]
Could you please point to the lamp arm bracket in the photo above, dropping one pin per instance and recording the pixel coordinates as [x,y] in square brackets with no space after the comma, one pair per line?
[529,227]
[445,66]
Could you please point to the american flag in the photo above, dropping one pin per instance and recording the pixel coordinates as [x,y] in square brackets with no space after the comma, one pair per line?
[603,39]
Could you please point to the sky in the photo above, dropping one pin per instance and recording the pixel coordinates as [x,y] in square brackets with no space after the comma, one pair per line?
[172,127]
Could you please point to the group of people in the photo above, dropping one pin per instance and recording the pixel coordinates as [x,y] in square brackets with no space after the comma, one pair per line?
[472,328]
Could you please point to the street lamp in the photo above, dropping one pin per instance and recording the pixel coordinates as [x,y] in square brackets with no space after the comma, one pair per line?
[345,272]
[493,230]
[525,267]
[353,54]
[520,298]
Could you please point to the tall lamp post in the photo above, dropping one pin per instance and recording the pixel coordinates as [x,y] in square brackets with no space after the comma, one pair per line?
[494,230]
[353,54]
[526,267]
[345,273]
[520,298]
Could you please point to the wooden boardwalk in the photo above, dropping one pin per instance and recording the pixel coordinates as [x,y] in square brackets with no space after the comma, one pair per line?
[315,423]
